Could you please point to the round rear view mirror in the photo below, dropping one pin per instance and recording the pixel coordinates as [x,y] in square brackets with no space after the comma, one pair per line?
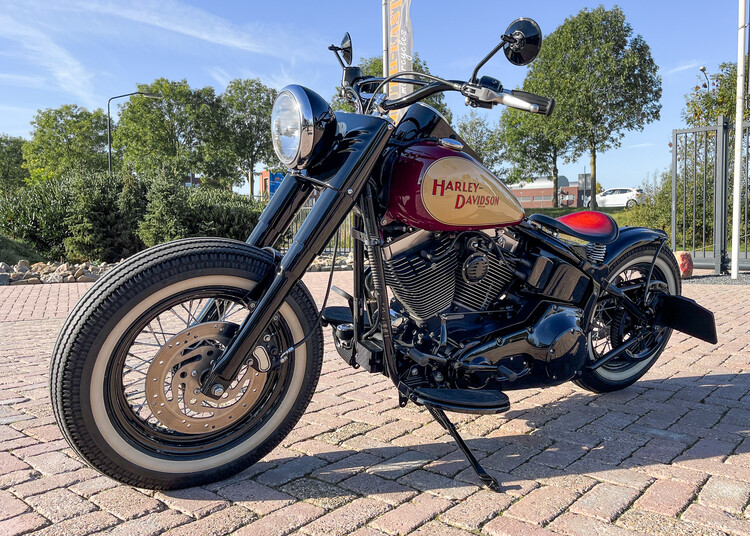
[527,44]
[346,48]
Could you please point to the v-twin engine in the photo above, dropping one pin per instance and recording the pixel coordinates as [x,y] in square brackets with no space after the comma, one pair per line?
[430,272]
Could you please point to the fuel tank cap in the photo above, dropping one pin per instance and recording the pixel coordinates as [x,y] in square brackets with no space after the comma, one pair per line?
[450,143]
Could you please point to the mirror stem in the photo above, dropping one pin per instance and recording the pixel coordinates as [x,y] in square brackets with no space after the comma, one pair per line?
[494,51]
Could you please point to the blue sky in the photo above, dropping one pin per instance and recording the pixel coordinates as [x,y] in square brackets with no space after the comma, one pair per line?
[83,52]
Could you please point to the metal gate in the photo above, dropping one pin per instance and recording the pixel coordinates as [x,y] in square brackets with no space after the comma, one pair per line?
[702,164]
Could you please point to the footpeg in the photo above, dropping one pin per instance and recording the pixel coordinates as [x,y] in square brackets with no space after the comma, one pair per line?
[461,400]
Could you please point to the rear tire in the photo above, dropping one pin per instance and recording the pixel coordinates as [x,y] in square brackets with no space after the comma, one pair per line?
[95,405]
[631,203]
[620,374]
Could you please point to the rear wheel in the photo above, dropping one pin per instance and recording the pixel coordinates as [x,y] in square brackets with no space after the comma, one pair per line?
[631,203]
[613,326]
[128,365]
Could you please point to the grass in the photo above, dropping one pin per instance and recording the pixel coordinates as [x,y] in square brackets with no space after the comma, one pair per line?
[11,251]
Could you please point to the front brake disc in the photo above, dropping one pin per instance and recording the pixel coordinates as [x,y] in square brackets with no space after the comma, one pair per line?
[173,382]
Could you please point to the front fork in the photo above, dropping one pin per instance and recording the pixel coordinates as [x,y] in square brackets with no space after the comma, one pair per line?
[357,153]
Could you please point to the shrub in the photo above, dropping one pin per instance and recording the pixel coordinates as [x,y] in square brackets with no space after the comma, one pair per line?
[100,229]
[166,215]
[38,215]
[224,213]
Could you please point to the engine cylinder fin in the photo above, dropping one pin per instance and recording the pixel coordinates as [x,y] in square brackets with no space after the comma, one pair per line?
[479,296]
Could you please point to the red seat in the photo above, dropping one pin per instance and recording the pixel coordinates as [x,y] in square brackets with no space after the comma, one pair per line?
[587,225]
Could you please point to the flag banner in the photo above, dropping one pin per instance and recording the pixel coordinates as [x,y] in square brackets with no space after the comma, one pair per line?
[400,45]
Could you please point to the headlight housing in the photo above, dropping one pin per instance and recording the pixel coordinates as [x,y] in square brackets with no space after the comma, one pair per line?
[302,127]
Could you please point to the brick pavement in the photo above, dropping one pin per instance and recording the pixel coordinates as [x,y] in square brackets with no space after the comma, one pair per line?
[670,455]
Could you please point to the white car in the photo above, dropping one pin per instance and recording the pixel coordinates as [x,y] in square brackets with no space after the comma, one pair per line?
[616,197]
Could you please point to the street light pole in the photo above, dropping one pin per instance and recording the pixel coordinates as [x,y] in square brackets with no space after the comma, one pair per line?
[702,69]
[109,120]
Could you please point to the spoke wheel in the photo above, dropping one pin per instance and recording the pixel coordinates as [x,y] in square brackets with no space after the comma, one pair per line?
[612,325]
[131,358]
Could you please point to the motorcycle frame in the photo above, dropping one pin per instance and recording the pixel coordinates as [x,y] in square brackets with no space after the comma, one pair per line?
[342,179]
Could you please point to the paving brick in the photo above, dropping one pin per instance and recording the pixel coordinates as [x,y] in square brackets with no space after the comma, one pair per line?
[52,463]
[290,470]
[651,523]
[379,488]
[81,525]
[256,497]
[10,506]
[580,525]
[542,505]
[9,463]
[60,504]
[321,449]
[725,494]
[216,524]
[151,525]
[282,522]
[717,519]
[604,501]
[400,465]
[336,472]
[436,528]
[477,509]
[347,518]
[126,503]
[508,526]
[22,524]
[436,484]
[666,497]
[411,515]
[195,502]
[322,494]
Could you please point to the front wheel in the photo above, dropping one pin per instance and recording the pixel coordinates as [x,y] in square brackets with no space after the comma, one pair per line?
[613,326]
[128,364]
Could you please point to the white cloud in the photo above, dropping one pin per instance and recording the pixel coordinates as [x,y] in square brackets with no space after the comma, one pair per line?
[199,24]
[38,48]
[639,145]
[683,67]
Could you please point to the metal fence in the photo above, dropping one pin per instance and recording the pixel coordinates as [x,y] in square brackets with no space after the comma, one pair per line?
[702,164]
[344,233]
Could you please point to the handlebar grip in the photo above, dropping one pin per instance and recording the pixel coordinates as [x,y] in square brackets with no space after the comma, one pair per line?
[546,104]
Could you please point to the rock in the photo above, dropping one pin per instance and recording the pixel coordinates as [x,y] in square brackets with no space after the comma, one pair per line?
[24,263]
[5,268]
[31,281]
[64,267]
[4,279]
[53,278]
[48,270]
[86,278]
[38,266]
[78,273]
[20,269]
[685,262]
[69,279]
[16,276]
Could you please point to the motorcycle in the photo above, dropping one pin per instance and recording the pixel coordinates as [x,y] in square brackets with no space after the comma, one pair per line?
[193,359]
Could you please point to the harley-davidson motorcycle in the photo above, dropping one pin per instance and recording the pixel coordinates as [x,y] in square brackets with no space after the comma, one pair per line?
[193,359]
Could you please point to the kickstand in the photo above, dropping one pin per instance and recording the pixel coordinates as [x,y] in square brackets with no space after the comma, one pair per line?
[442,418]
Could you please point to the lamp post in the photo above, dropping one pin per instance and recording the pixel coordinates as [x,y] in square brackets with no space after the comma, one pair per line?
[109,120]
[702,69]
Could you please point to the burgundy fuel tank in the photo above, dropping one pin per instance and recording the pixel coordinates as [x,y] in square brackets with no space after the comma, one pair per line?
[442,189]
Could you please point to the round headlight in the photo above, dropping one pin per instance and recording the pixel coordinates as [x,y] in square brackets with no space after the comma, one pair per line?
[302,126]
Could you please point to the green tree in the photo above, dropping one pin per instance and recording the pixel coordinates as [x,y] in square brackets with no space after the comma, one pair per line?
[69,138]
[703,105]
[183,134]
[374,67]
[605,80]
[249,103]
[12,173]
[477,132]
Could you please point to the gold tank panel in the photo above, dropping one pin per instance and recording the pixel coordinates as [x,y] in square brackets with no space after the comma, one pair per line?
[459,191]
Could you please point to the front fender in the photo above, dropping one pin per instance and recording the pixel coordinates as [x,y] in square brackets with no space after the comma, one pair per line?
[631,238]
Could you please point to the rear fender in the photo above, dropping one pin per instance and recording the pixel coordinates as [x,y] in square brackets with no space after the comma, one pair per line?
[629,239]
